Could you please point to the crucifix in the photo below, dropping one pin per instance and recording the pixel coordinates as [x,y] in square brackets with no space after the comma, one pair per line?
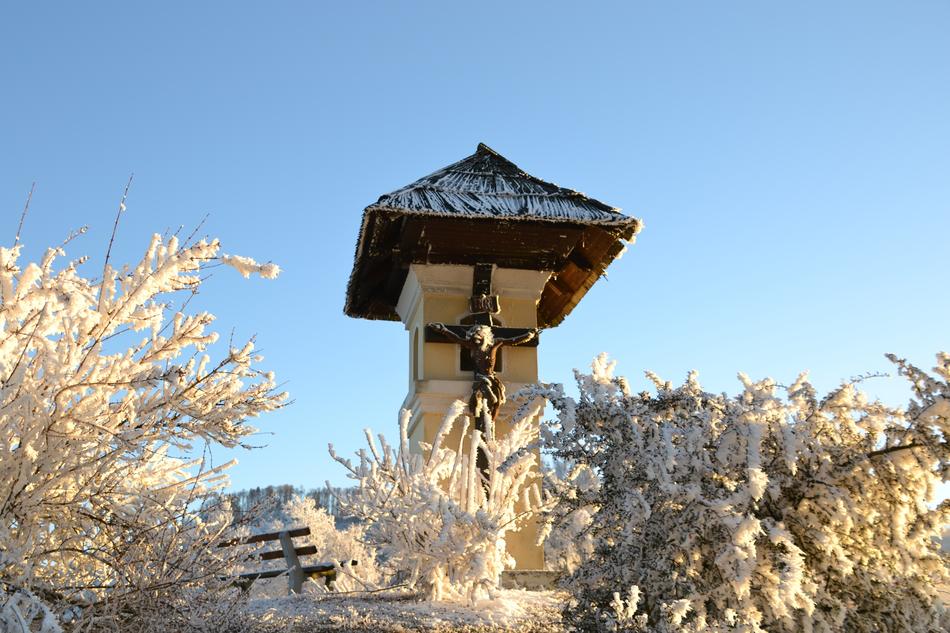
[483,339]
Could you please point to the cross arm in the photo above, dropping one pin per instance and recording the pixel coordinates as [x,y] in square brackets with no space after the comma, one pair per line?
[441,333]
[517,336]
[456,334]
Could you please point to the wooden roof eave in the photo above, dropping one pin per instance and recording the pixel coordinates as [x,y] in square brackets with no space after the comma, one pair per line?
[622,230]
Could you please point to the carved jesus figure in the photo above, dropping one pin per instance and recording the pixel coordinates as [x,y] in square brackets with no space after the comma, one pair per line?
[488,392]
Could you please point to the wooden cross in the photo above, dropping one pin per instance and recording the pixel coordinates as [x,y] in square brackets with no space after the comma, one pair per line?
[483,339]
[483,306]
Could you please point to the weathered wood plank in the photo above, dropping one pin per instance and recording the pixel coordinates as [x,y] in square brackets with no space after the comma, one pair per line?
[319,569]
[260,538]
[267,573]
[307,550]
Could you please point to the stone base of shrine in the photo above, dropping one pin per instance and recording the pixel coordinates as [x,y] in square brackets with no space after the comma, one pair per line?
[530,579]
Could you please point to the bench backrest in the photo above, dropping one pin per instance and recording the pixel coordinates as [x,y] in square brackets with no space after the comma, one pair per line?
[288,551]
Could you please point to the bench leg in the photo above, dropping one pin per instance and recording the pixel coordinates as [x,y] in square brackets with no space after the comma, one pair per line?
[295,571]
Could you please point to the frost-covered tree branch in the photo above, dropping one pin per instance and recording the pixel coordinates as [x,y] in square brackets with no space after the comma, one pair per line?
[99,382]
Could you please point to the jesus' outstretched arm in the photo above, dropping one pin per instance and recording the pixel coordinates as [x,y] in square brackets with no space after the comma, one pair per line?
[447,333]
[517,340]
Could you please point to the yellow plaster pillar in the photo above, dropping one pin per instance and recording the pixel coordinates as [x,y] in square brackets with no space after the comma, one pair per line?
[440,293]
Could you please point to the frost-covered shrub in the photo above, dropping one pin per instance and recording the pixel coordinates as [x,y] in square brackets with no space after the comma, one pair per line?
[21,611]
[437,523]
[759,512]
[103,382]
[568,543]
[176,580]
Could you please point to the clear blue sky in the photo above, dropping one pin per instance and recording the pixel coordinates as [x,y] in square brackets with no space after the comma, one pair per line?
[791,164]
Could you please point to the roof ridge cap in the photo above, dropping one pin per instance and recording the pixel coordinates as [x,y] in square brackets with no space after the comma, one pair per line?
[484,149]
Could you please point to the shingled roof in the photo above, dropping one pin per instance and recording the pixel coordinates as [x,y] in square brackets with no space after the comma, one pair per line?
[488,185]
[484,208]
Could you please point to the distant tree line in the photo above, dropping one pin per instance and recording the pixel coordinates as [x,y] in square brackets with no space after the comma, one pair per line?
[270,499]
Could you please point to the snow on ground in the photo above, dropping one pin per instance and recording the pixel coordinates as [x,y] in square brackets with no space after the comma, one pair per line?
[511,610]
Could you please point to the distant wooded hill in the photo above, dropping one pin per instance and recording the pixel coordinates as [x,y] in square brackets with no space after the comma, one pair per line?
[269,500]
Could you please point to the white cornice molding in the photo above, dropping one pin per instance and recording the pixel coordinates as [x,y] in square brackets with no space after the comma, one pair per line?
[452,280]
[437,396]
[444,278]
[520,284]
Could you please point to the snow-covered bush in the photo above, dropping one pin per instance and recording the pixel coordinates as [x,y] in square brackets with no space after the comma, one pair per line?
[103,383]
[175,580]
[568,543]
[758,512]
[438,524]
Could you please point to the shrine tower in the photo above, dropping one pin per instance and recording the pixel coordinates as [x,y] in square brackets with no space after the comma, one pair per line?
[479,242]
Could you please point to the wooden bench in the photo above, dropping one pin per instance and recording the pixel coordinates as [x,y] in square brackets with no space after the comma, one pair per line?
[296,572]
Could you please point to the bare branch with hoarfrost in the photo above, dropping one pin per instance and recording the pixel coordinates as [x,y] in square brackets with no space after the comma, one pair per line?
[95,511]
